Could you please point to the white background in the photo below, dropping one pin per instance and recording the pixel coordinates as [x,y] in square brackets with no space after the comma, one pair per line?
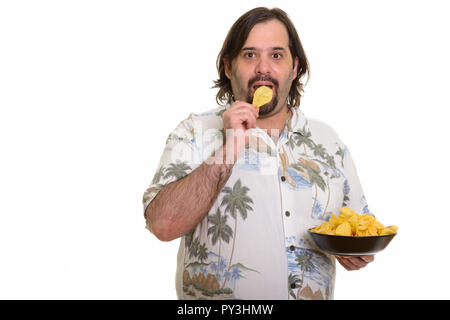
[90,90]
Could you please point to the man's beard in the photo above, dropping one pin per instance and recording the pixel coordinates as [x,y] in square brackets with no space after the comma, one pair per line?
[270,106]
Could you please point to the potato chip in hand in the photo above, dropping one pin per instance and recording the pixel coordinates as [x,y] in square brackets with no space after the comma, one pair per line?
[262,96]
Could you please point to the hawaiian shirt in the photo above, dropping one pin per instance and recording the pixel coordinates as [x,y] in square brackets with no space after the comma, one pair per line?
[254,242]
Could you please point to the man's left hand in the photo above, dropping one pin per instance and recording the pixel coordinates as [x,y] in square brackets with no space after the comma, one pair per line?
[354,262]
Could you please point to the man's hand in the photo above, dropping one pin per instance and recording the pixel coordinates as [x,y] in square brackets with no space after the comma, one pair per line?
[351,263]
[237,120]
[240,115]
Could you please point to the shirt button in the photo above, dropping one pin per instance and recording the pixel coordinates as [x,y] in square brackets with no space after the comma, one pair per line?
[292,248]
[283,178]
[287,213]
[293,285]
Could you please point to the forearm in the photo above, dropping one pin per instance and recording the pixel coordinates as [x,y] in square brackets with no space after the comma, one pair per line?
[182,204]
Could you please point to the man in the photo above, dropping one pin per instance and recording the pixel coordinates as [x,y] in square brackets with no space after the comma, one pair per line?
[242,185]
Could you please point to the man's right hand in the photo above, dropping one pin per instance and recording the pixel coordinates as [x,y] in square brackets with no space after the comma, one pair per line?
[238,119]
[240,115]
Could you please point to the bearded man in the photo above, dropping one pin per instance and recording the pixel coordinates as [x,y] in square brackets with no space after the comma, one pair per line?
[241,185]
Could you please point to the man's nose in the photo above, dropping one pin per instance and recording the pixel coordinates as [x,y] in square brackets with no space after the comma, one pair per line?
[263,66]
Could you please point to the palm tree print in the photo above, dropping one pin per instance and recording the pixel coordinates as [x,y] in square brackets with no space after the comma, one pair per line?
[341,153]
[188,240]
[346,193]
[293,281]
[193,248]
[177,170]
[305,264]
[319,150]
[304,139]
[328,187]
[235,200]
[219,230]
[178,138]
[315,178]
[291,141]
[328,161]
[202,255]
[236,274]
[158,175]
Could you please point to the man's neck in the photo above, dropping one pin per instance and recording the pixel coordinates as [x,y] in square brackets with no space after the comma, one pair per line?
[275,124]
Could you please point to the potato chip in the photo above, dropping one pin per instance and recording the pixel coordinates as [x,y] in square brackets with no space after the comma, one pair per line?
[344,229]
[324,227]
[350,223]
[378,225]
[386,231]
[354,221]
[389,230]
[346,212]
[262,96]
[361,233]
[372,231]
[393,228]
[333,221]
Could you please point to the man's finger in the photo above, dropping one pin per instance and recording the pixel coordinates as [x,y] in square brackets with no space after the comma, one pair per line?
[353,263]
[347,264]
[248,117]
[248,107]
[368,258]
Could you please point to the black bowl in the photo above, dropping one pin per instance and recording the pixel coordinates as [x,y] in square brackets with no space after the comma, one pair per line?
[351,246]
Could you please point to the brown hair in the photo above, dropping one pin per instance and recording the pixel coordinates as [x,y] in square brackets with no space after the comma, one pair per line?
[235,40]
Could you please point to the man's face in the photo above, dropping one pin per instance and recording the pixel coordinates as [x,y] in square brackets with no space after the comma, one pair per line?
[265,59]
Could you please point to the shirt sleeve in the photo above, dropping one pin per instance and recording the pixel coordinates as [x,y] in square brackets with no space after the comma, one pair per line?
[180,157]
[354,197]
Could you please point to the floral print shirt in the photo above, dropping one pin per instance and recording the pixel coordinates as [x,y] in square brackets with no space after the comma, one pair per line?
[254,242]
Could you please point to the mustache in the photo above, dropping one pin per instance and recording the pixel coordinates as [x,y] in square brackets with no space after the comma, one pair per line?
[262,78]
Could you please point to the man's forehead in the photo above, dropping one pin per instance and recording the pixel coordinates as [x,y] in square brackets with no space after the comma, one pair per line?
[267,35]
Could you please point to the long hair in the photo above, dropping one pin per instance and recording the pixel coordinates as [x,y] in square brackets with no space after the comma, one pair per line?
[235,40]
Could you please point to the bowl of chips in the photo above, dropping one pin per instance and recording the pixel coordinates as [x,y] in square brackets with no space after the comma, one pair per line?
[352,234]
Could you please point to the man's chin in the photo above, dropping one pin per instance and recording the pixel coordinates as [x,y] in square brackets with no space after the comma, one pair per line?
[266,109]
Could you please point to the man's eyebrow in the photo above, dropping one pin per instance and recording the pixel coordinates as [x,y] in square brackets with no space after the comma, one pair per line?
[254,48]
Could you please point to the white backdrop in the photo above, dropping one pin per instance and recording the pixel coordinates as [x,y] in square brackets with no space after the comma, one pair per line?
[90,90]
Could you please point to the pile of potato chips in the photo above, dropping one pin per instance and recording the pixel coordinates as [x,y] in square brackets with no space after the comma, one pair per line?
[349,223]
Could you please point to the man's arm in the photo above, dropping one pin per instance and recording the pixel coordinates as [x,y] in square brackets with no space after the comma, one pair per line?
[182,204]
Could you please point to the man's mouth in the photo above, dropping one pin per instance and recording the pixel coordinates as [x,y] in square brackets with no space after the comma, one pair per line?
[258,84]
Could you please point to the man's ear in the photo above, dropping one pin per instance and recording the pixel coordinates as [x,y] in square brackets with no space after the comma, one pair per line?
[294,71]
[227,67]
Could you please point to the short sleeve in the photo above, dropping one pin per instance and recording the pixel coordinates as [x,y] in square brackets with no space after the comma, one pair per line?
[180,157]
[354,197]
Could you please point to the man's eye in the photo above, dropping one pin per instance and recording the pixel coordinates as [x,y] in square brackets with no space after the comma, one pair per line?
[249,54]
[276,55]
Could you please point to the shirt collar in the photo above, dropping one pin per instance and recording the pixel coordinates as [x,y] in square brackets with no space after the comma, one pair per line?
[297,123]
